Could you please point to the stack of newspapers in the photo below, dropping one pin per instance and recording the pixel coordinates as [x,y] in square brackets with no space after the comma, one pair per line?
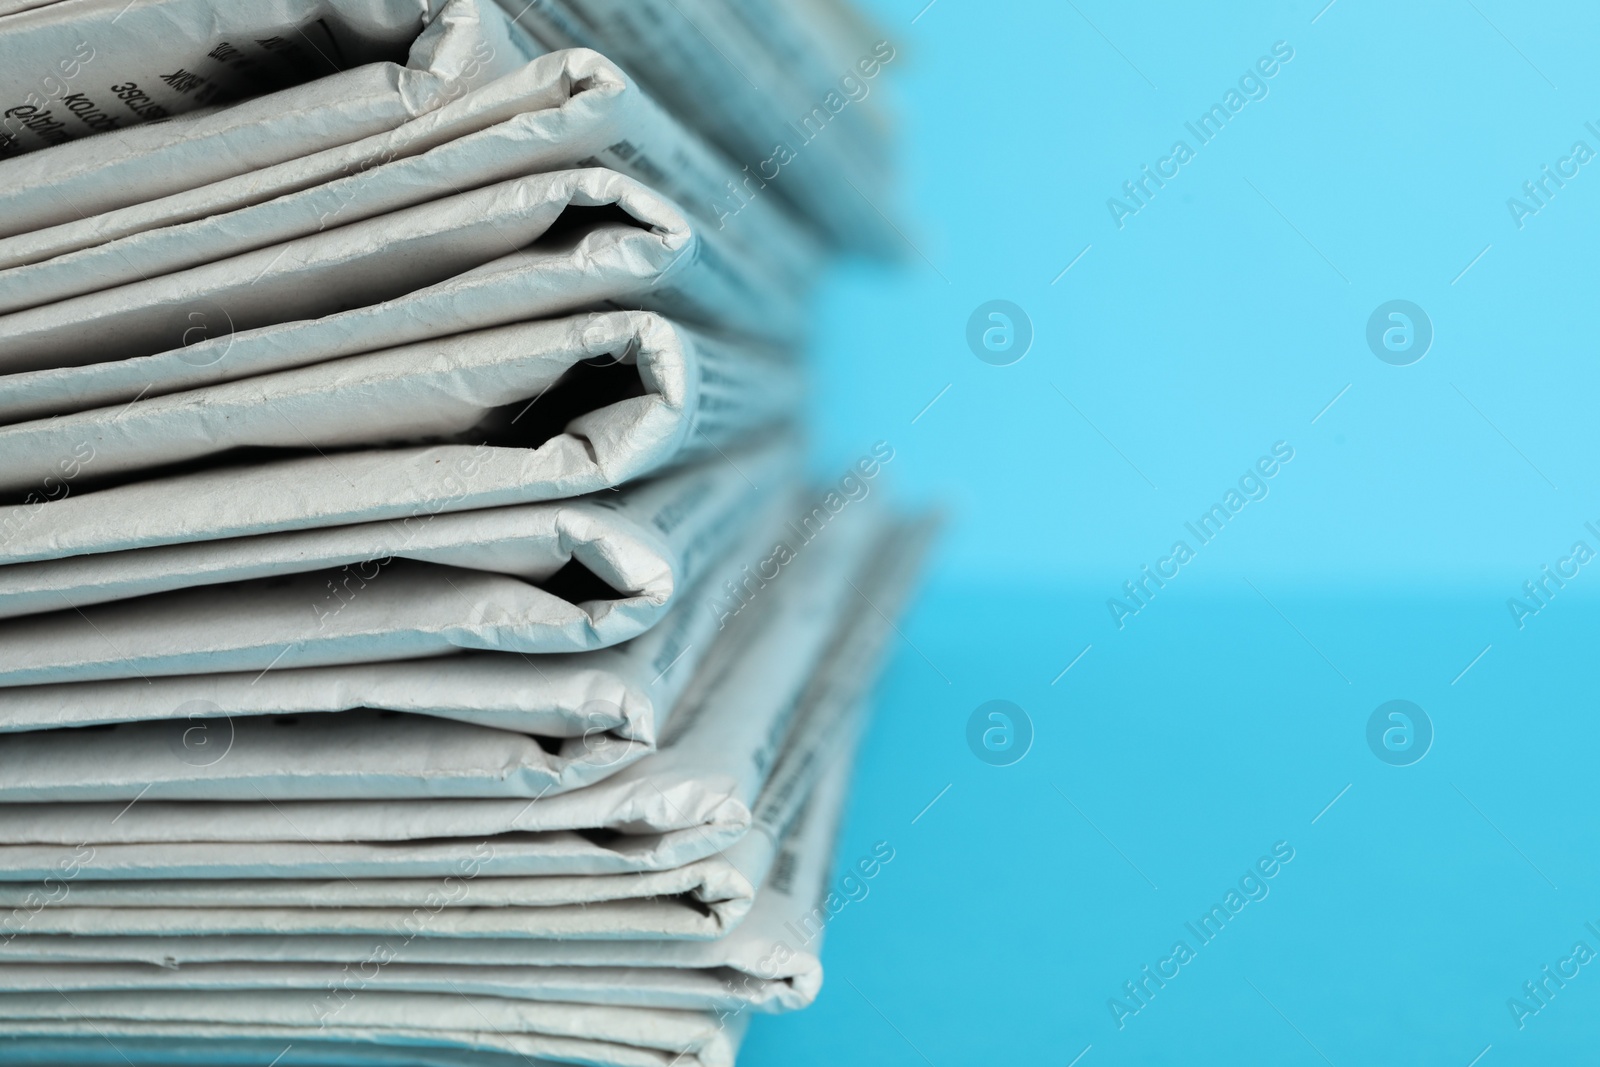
[419,641]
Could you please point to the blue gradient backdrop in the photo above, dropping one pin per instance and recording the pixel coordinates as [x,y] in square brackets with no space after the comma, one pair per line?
[1225,716]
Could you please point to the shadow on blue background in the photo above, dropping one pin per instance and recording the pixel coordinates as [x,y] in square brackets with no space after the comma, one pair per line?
[1230,713]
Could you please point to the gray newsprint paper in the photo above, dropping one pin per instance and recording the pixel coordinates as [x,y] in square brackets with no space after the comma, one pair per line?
[568,109]
[594,399]
[699,900]
[540,997]
[434,1030]
[562,576]
[704,898]
[795,114]
[178,93]
[534,247]
[711,780]
[768,963]
[303,286]
[476,724]
[697,974]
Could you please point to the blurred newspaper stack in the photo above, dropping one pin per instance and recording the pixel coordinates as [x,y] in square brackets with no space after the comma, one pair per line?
[418,643]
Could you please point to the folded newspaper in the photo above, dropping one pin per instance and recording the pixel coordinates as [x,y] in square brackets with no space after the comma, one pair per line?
[611,1001]
[569,109]
[555,577]
[718,746]
[165,95]
[695,900]
[194,749]
[593,399]
[526,248]
[769,962]
[417,1030]
[475,724]
[792,111]
[527,726]
[416,642]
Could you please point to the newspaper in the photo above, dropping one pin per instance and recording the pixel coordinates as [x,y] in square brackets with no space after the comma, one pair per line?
[609,704]
[814,43]
[369,265]
[707,773]
[225,1048]
[480,724]
[617,696]
[433,1030]
[699,793]
[714,895]
[753,968]
[568,109]
[503,384]
[479,259]
[800,139]
[557,577]
[768,963]
[700,900]
[149,81]
[703,899]
[408,486]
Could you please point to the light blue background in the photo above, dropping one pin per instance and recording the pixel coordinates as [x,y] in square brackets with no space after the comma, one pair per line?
[1228,713]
